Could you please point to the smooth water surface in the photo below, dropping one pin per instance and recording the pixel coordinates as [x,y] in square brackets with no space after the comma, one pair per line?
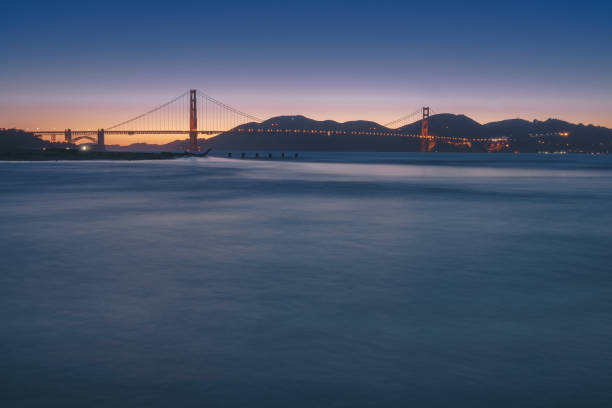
[342,280]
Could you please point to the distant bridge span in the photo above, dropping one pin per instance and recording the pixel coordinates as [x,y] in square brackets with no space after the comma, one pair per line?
[214,117]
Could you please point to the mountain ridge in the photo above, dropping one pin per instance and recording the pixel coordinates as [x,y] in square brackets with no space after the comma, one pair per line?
[519,133]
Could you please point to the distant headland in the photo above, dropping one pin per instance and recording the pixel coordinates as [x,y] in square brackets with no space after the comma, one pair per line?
[18,145]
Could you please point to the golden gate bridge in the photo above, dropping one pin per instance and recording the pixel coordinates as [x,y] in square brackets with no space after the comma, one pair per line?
[195,113]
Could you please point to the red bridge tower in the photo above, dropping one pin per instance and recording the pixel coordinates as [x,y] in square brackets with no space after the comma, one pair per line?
[427,143]
[425,123]
[193,122]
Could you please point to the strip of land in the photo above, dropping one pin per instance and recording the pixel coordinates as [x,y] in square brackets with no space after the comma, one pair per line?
[73,154]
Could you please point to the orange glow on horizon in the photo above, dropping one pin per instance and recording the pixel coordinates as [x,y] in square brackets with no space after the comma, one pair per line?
[82,117]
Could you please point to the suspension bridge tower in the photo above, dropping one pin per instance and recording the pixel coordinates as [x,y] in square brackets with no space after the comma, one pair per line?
[193,122]
[101,139]
[425,123]
[427,144]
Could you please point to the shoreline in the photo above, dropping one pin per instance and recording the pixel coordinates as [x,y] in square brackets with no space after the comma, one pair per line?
[75,155]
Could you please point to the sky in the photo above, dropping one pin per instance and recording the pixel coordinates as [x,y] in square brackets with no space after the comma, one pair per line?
[92,64]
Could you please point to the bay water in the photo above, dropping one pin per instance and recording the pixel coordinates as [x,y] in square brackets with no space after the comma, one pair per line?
[334,279]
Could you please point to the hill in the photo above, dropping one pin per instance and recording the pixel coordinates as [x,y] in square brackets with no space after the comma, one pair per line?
[303,134]
[15,139]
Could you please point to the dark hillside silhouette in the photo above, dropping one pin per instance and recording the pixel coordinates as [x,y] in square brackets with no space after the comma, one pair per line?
[14,139]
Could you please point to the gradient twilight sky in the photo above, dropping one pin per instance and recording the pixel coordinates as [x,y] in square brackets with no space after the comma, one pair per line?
[88,65]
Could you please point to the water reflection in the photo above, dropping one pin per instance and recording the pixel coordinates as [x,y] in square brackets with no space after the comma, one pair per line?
[377,281]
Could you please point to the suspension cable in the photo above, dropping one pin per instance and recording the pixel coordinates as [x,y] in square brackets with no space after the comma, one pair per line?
[148,112]
[229,108]
[403,118]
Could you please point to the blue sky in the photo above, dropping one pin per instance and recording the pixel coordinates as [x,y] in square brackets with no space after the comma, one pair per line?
[87,65]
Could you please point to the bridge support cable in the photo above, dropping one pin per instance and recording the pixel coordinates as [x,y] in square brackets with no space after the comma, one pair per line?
[147,119]
[193,112]
[219,116]
[404,120]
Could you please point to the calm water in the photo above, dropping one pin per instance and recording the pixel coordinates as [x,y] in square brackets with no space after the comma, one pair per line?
[342,280]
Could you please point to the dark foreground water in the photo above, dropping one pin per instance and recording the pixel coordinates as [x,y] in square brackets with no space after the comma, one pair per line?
[340,280]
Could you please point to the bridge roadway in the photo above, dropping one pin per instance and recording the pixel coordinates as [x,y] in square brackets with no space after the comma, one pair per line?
[450,139]
[126,132]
